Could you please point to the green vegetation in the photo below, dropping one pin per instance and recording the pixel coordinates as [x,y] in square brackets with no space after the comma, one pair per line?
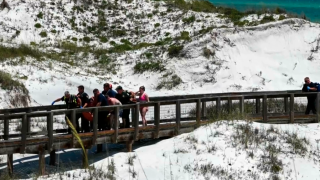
[153,66]
[189,20]
[40,15]
[20,51]
[43,34]
[167,40]
[37,25]
[118,33]
[184,35]
[174,50]
[169,81]
[157,25]
[53,31]
[103,39]
[267,19]
[282,17]
[7,83]
[148,55]
[86,39]
[74,39]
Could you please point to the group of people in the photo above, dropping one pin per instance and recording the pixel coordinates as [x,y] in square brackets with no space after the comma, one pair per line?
[108,97]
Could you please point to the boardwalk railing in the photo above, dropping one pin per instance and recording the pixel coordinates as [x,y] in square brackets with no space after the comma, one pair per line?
[188,114]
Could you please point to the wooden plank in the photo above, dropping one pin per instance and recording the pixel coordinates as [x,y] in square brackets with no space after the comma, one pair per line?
[286,104]
[318,107]
[23,134]
[265,108]
[42,166]
[50,131]
[116,124]
[95,125]
[136,122]
[156,119]
[198,112]
[10,164]
[204,109]
[257,105]
[218,106]
[6,128]
[241,104]
[178,116]
[291,108]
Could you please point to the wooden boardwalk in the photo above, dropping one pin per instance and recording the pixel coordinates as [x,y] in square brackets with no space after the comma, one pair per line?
[205,108]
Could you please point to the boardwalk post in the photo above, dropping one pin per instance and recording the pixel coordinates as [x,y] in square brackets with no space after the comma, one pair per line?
[198,112]
[42,166]
[116,124]
[52,161]
[257,105]
[178,116]
[136,122]
[95,126]
[6,128]
[6,137]
[50,130]
[10,164]
[156,119]
[204,109]
[73,121]
[291,108]
[23,134]
[29,122]
[265,108]
[241,104]
[286,105]
[218,106]
[132,117]
[318,107]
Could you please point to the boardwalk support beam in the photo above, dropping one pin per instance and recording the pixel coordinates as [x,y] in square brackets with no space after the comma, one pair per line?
[291,108]
[178,116]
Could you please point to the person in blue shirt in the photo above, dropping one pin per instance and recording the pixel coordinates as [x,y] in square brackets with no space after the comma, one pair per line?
[107,90]
[102,115]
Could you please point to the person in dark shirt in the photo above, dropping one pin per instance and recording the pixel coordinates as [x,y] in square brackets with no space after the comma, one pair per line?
[72,102]
[310,87]
[84,100]
[125,97]
[102,115]
[107,90]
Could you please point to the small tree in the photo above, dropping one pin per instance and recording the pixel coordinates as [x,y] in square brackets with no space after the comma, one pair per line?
[4,4]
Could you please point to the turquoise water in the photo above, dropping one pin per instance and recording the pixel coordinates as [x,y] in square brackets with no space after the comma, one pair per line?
[311,8]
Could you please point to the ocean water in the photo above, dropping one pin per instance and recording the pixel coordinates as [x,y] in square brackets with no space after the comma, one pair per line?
[311,8]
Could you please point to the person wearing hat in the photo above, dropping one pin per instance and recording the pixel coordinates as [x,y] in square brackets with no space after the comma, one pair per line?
[125,97]
[72,102]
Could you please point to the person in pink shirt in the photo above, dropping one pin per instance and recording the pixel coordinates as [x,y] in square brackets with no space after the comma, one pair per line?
[143,97]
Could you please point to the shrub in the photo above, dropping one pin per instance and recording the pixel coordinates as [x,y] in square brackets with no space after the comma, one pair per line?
[169,81]
[86,39]
[167,34]
[153,66]
[280,11]
[53,31]
[74,39]
[7,83]
[282,17]
[43,34]
[184,35]
[149,15]
[103,39]
[267,19]
[174,50]
[189,20]
[207,53]
[157,25]
[148,55]
[38,25]
[118,33]
[40,15]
